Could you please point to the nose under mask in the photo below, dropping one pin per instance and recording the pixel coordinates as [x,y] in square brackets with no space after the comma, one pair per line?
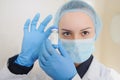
[79,50]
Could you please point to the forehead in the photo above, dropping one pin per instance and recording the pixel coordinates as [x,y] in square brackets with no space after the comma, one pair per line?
[75,20]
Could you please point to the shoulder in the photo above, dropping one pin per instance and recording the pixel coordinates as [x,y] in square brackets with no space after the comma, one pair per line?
[114,74]
[100,71]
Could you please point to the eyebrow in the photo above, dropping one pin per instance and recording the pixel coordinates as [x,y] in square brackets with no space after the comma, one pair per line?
[80,30]
[85,29]
[66,30]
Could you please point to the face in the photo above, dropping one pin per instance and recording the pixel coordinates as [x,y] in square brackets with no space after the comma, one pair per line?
[76,25]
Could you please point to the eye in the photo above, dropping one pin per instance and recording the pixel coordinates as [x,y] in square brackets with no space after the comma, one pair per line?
[66,34]
[85,33]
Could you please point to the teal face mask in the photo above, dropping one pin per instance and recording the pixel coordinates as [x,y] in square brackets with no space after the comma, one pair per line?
[79,50]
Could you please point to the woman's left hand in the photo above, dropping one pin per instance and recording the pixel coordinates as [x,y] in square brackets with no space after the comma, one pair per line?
[57,66]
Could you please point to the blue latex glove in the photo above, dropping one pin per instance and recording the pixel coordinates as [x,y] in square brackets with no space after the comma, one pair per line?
[33,37]
[57,66]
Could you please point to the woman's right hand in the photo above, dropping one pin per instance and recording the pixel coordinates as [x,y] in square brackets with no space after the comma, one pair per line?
[32,40]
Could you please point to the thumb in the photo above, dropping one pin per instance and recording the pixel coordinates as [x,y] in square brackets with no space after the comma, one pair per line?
[49,31]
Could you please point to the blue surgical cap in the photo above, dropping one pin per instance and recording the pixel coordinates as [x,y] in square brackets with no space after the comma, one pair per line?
[79,5]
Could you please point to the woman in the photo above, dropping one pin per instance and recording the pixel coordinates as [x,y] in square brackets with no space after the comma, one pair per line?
[79,27]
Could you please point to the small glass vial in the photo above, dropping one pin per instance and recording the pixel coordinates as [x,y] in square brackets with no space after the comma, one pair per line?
[54,38]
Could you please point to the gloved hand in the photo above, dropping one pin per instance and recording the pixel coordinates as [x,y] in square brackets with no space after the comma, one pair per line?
[33,37]
[57,66]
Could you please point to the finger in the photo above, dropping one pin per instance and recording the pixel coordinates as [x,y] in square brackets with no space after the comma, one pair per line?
[50,48]
[61,49]
[55,46]
[34,22]
[26,25]
[44,23]
[42,61]
[49,30]
[45,53]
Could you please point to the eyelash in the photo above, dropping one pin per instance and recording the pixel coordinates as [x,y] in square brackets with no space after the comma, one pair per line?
[66,33]
[85,33]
